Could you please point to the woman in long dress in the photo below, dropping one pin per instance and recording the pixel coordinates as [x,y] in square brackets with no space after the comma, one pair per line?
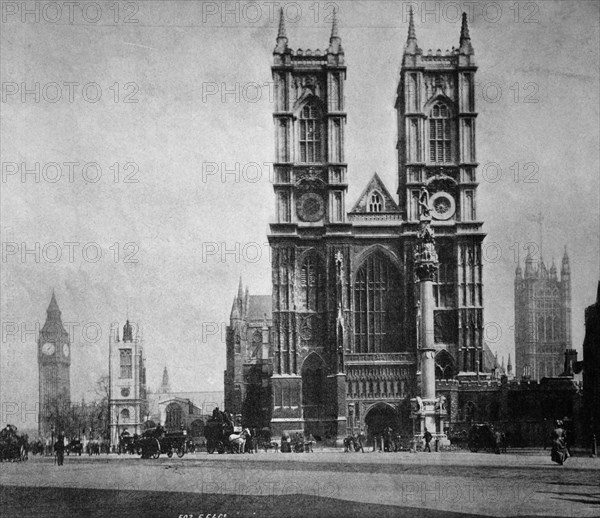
[559,444]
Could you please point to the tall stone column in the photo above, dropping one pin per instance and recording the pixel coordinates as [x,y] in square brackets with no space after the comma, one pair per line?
[427,410]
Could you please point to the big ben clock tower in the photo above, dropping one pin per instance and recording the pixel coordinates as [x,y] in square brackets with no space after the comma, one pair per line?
[54,360]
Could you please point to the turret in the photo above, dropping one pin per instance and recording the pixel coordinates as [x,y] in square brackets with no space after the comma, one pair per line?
[509,366]
[529,266]
[566,267]
[553,275]
[518,273]
[127,332]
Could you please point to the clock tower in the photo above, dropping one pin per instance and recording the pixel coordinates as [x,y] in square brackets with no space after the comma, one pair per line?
[54,361]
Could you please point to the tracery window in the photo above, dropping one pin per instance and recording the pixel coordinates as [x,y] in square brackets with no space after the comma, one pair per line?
[310,134]
[440,134]
[377,306]
[375,202]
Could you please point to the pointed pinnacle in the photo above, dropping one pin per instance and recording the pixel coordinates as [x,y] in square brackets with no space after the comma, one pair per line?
[464,29]
[240,289]
[412,34]
[334,25]
[281,33]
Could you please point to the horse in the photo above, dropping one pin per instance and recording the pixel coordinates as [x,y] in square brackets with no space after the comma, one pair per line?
[237,442]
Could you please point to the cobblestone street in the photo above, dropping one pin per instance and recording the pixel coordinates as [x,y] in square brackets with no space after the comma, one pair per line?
[319,484]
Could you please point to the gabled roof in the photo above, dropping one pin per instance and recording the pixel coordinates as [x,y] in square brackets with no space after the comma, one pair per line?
[375,184]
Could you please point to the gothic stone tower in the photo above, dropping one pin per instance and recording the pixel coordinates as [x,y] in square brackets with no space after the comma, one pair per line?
[127,378]
[542,318]
[436,149]
[345,296]
[54,361]
[310,188]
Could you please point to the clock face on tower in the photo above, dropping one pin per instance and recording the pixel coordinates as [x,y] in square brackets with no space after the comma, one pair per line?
[66,350]
[310,207]
[48,348]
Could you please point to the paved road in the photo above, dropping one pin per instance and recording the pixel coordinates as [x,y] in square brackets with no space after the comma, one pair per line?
[319,485]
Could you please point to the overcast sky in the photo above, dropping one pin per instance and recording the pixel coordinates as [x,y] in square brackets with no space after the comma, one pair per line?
[165,117]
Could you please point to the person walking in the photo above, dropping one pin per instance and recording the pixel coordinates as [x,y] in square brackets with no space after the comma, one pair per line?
[360,439]
[59,449]
[427,436]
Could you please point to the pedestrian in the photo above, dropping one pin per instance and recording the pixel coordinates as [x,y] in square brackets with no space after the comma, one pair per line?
[559,444]
[59,449]
[360,439]
[427,436]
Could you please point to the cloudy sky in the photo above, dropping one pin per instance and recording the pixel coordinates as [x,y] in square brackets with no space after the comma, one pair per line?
[158,115]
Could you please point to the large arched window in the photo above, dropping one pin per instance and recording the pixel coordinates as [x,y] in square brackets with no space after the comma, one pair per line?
[377,306]
[310,134]
[310,283]
[440,134]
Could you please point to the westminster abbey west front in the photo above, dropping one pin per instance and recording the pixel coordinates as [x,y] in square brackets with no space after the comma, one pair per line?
[342,352]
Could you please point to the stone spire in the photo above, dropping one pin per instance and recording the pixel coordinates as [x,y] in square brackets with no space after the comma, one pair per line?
[164,386]
[282,40]
[335,42]
[509,366]
[465,38]
[411,42]
[241,290]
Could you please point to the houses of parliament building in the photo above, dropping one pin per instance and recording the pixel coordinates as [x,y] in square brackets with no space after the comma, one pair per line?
[334,350]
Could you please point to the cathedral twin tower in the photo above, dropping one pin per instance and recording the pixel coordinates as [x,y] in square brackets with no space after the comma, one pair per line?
[345,300]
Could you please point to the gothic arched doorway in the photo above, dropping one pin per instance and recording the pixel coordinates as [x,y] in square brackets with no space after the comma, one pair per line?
[313,393]
[380,417]
[174,416]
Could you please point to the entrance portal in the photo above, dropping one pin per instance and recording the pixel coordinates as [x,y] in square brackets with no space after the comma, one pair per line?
[380,417]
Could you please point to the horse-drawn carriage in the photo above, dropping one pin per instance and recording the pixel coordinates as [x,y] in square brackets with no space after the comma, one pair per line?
[13,446]
[217,431]
[222,436]
[155,441]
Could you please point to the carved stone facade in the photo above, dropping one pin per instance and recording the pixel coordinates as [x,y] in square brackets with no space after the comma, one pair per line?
[339,351]
[344,290]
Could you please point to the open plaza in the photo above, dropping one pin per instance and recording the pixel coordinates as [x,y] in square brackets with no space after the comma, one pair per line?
[326,482]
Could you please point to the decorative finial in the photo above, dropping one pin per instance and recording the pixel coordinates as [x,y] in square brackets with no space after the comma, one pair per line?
[412,34]
[281,33]
[282,41]
[411,41]
[465,39]
[334,25]
[464,29]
